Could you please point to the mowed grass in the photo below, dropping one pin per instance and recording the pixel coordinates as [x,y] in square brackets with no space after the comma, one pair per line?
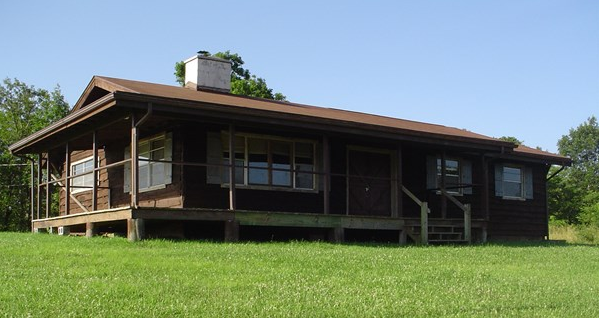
[47,275]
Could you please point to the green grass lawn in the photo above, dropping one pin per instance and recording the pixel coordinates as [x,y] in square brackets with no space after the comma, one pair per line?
[46,275]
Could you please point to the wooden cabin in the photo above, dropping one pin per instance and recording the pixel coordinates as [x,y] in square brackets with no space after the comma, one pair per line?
[153,160]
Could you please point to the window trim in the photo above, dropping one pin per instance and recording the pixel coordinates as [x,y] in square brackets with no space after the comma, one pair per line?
[148,141]
[73,177]
[246,185]
[168,154]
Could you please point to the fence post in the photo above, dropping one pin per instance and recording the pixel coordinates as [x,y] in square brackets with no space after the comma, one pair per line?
[424,223]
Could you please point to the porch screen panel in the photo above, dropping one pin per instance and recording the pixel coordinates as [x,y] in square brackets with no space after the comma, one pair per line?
[281,159]
[258,161]
[304,165]
[239,160]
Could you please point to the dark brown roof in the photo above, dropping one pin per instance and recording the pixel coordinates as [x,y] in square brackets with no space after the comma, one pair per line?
[166,91]
[115,85]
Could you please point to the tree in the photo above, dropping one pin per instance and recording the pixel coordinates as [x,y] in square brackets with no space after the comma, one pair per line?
[582,145]
[574,194]
[511,139]
[23,110]
[242,81]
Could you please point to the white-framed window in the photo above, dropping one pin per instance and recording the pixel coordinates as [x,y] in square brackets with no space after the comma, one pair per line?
[513,182]
[85,182]
[152,174]
[266,161]
[458,175]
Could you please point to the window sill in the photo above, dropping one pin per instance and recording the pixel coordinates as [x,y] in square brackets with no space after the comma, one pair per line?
[514,198]
[269,188]
[80,191]
[156,187]
[455,194]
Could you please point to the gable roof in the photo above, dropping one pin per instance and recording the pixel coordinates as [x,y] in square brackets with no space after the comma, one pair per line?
[100,87]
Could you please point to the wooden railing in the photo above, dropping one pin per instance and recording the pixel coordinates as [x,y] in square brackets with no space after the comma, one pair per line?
[467,208]
[424,211]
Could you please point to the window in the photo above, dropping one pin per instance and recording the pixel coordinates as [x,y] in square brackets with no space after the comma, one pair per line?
[513,182]
[152,173]
[452,175]
[86,181]
[458,175]
[266,161]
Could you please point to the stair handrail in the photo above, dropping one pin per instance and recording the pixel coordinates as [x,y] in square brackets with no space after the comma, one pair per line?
[424,211]
[467,208]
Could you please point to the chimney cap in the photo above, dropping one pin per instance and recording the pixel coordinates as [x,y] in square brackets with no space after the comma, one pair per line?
[203,57]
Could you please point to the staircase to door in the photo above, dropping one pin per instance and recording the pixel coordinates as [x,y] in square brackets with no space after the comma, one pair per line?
[438,233]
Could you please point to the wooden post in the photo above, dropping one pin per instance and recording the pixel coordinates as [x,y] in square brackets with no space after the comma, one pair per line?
[403,237]
[443,198]
[39,181]
[326,161]
[32,192]
[399,183]
[424,223]
[48,173]
[135,229]
[483,235]
[95,174]
[485,190]
[67,181]
[231,231]
[468,222]
[134,165]
[90,229]
[232,192]
[337,234]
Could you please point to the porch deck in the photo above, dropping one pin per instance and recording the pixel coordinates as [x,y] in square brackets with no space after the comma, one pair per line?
[134,222]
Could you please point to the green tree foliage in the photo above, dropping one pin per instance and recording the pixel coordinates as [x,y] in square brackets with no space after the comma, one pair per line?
[242,81]
[511,139]
[23,110]
[574,194]
[582,145]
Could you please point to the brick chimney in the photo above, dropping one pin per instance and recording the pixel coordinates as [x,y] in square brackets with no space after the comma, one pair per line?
[206,72]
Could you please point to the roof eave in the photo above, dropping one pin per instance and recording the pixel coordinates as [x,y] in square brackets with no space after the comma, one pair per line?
[20,146]
[487,144]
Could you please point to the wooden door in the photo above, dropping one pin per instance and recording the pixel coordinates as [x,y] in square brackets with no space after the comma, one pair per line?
[369,183]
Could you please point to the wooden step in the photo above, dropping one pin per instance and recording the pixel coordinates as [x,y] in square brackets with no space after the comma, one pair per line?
[447,241]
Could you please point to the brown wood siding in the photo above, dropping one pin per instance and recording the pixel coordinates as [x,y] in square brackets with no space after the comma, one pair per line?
[519,219]
[168,197]
[111,182]
[85,197]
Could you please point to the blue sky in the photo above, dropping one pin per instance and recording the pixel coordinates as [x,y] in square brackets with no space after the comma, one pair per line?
[522,68]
